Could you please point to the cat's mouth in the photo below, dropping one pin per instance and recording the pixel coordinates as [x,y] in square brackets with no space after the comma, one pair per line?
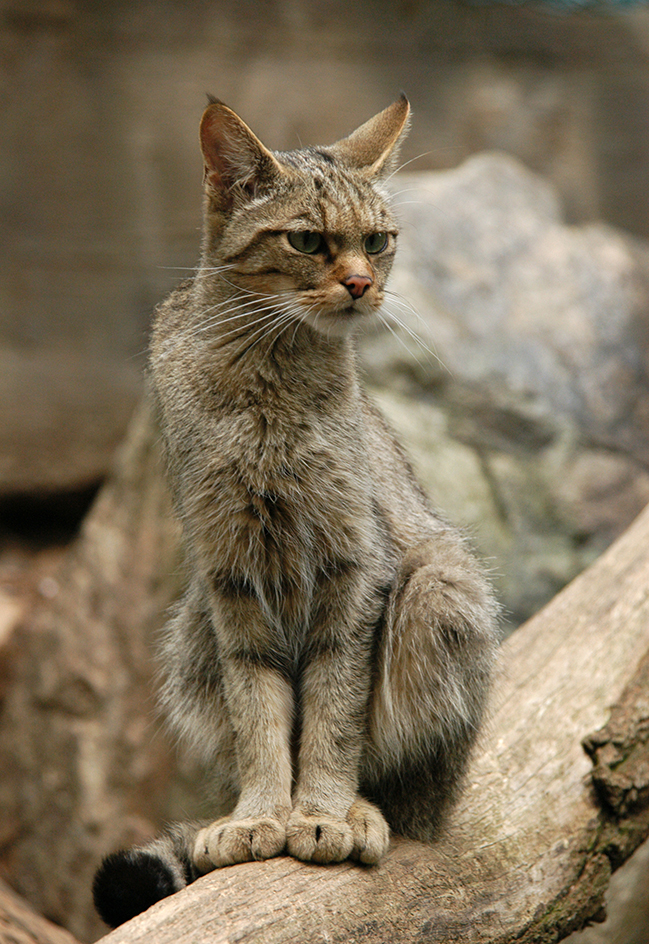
[338,316]
[353,306]
[352,311]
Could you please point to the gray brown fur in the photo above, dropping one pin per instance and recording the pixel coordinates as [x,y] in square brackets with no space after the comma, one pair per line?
[332,654]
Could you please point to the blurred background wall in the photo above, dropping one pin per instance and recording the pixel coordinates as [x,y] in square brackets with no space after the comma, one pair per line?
[100,169]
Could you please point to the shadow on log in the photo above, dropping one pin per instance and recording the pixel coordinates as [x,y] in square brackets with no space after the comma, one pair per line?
[536,836]
[557,795]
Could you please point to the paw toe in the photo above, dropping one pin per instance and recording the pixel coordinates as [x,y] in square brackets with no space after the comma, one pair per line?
[227,842]
[370,831]
[318,838]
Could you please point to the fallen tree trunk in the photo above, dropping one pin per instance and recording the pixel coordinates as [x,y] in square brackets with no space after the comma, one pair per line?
[558,797]
[85,768]
[19,924]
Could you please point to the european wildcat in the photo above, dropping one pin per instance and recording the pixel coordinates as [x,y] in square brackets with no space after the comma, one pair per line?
[332,653]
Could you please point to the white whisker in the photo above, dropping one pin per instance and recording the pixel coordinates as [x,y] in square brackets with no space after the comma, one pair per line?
[226,313]
[398,338]
[406,306]
[405,164]
[277,328]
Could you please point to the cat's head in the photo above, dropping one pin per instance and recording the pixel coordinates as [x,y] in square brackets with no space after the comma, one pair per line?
[311,228]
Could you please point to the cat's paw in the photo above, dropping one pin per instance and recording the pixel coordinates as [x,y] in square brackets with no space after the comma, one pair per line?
[370,831]
[363,835]
[318,837]
[228,841]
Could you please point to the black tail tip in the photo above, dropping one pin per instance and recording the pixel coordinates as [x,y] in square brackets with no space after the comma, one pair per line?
[128,882]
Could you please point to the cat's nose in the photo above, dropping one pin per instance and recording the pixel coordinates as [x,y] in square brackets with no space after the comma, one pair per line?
[357,285]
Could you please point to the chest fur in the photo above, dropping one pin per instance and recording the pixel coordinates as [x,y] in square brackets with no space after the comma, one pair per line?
[284,501]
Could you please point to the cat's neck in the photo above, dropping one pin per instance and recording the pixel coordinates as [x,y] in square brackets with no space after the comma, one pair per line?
[253,346]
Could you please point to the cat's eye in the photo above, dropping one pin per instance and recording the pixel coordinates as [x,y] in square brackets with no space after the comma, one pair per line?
[306,241]
[376,243]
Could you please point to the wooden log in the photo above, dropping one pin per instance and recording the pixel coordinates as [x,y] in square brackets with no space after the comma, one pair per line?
[541,826]
[19,923]
[85,767]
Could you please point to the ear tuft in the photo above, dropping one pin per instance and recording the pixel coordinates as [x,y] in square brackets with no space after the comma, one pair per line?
[374,147]
[236,162]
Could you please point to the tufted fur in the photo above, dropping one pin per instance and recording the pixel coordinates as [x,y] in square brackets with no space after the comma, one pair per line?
[331,656]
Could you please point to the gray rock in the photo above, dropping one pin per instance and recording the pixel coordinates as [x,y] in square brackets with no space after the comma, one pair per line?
[627,905]
[524,342]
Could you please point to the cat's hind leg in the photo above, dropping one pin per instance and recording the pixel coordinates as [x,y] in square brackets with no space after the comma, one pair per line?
[434,662]
[131,880]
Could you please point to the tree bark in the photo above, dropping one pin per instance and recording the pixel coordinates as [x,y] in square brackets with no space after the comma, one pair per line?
[557,797]
[19,924]
[85,766]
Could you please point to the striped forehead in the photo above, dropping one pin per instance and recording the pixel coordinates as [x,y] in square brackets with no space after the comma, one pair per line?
[345,200]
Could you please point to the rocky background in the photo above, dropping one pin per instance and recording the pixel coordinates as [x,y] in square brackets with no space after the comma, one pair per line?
[514,359]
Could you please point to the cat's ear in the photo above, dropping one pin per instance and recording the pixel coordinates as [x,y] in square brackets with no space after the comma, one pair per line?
[237,165]
[374,147]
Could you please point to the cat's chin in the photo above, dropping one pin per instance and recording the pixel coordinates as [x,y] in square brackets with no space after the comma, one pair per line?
[339,323]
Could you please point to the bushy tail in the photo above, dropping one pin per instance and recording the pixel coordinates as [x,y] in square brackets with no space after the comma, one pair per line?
[131,880]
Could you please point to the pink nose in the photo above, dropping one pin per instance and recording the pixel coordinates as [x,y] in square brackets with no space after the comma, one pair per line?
[357,285]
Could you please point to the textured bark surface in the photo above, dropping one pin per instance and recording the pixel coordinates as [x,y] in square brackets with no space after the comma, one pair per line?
[539,830]
[19,924]
[85,767]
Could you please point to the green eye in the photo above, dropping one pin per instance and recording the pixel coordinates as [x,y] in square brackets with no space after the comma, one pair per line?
[376,243]
[306,241]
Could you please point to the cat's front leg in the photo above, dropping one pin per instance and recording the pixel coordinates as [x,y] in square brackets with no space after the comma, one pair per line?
[259,700]
[330,821]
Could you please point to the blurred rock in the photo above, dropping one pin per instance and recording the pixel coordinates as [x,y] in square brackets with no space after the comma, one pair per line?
[11,612]
[19,923]
[530,369]
[85,765]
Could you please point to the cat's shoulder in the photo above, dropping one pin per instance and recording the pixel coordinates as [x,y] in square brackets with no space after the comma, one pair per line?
[177,304]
